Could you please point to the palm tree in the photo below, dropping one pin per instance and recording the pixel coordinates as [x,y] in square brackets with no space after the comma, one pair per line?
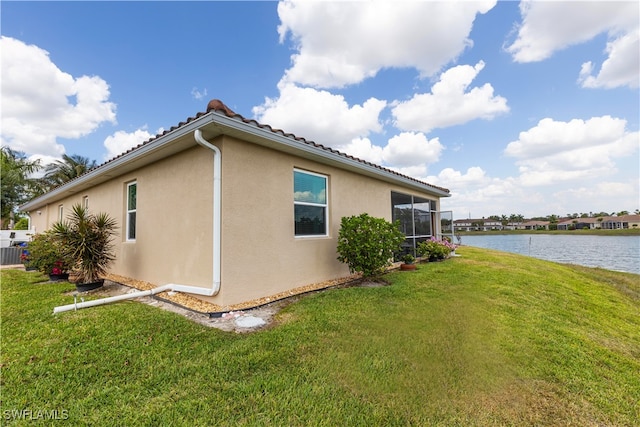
[17,185]
[68,168]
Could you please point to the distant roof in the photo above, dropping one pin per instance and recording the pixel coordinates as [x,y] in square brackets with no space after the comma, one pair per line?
[218,108]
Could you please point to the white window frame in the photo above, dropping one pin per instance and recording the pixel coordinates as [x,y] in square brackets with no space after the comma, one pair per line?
[85,202]
[129,211]
[60,212]
[325,205]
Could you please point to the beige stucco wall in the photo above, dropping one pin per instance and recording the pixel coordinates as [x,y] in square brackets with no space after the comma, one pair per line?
[260,254]
[173,226]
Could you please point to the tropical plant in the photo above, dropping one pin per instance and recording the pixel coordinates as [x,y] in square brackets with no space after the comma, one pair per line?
[367,244]
[45,254]
[70,167]
[17,185]
[86,239]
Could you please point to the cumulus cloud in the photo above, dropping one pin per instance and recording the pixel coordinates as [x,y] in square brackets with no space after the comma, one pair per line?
[551,26]
[362,148]
[555,151]
[607,195]
[620,68]
[409,153]
[476,194]
[342,43]
[411,149]
[319,115]
[121,141]
[449,102]
[41,103]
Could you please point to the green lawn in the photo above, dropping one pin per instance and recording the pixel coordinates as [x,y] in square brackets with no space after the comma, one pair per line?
[485,339]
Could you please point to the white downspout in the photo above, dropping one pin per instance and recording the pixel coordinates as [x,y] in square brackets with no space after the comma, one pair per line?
[102,301]
[217,223]
[217,243]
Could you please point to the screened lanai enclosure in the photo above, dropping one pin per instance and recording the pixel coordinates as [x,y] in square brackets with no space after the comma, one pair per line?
[419,220]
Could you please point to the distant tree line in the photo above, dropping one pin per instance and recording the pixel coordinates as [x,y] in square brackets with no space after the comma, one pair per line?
[554,219]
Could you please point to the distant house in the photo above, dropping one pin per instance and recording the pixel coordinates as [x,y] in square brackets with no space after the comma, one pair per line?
[534,225]
[481,224]
[603,222]
[231,210]
[620,222]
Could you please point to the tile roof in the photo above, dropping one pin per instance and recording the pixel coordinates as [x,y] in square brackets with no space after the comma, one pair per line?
[218,106]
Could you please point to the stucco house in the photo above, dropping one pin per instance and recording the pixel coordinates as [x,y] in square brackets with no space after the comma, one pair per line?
[534,225]
[602,222]
[230,210]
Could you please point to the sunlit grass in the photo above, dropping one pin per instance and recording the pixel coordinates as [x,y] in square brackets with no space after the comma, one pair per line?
[488,338]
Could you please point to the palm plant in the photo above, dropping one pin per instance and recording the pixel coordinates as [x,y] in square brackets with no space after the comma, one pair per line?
[86,239]
[70,167]
[17,185]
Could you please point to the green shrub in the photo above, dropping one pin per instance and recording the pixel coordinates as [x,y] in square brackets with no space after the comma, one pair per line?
[22,224]
[46,255]
[367,244]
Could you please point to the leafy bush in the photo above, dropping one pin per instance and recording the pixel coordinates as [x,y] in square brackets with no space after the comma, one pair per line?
[367,244]
[408,259]
[435,249]
[46,255]
[22,224]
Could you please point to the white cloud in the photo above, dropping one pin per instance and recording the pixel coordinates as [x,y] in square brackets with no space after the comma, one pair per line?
[121,141]
[408,153]
[198,94]
[449,102]
[41,103]
[362,148]
[411,149]
[610,196]
[319,115]
[342,43]
[474,193]
[549,26]
[620,68]
[554,151]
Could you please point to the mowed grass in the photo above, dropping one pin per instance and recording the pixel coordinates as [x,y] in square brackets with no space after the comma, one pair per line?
[488,338]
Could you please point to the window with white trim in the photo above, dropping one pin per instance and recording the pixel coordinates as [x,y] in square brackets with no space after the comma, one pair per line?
[60,212]
[310,203]
[85,202]
[132,195]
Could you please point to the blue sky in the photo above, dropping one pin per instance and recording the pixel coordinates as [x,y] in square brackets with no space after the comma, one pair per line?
[525,108]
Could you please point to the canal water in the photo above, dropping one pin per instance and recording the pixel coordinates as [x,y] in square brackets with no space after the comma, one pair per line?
[619,253]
